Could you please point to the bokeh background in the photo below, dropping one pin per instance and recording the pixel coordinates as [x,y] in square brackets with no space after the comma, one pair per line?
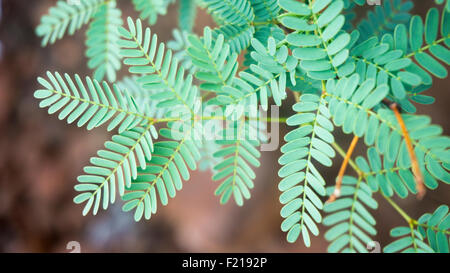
[40,158]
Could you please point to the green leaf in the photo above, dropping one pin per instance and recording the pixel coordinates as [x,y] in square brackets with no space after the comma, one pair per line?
[65,18]
[102,46]
[150,9]
[303,212]
[114,167]
[348,219]
[92,103]
[236,155]
[163,174]
[237,12]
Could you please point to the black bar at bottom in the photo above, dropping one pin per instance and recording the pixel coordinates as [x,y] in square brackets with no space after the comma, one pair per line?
[220,262]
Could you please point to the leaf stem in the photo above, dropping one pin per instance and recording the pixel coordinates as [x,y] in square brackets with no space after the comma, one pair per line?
[347,157]
[352,163]
[399,210]
[412,155]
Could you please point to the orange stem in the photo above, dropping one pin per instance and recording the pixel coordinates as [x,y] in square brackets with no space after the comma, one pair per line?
[348,155]
[414,163]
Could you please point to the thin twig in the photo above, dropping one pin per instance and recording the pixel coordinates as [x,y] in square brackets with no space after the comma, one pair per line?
[414,163]
[348,155]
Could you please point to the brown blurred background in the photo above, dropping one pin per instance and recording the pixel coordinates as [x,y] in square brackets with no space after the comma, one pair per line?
[40,158]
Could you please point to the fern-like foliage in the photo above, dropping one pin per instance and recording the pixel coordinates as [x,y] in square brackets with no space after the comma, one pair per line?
[394,175]
[236,12]
[142,97]
[385,18]
[237,155]
[92,103]
[352,226]
[350,108]
[117,163]
[179,45]
[436,228]
[392,60]
[203,93]
[162,175]
[64,17]
[237,37]
[102,37]
[410,241]
[265,10]
[377,60]
[320,46]
[150,9]
[157,68]
[349,103]
[268,77]
[262,34]
[216,65]
[433,228]
[302,185]
[422,39]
